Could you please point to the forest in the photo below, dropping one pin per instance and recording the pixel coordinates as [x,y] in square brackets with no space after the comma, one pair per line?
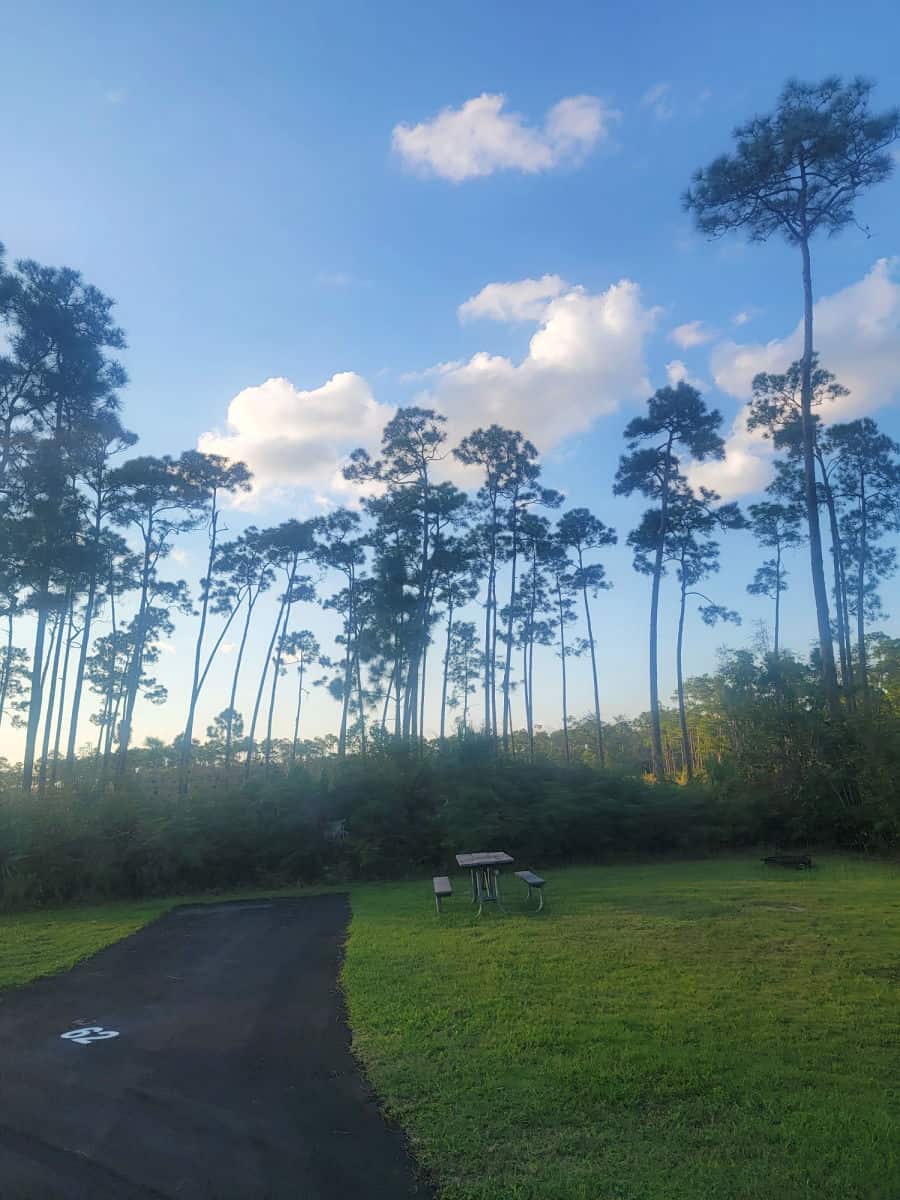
[460,596]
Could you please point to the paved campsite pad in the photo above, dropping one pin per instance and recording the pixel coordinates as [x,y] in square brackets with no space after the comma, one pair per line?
[231,1075]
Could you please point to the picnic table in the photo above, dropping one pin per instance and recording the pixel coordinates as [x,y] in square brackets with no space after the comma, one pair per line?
[484,871]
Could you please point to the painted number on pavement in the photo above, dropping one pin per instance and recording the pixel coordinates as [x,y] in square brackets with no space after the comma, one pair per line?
[91,1033]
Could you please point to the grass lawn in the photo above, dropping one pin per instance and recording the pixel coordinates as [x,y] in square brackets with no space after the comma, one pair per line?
[680,1031]
[668,1032]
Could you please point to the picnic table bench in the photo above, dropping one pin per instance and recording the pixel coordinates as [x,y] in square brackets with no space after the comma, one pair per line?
[535,884]
[442,888]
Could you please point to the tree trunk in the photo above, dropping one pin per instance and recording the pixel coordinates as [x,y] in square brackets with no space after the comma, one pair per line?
[133,679]
[187,736]
[820,590]
[64,616]
[777,595]
[82,654]
[299,707]
[57,740]
[362,708]
[229,723]
[348,673]
[262,678]
[656,750]
[840,587]
[276,675]
[861,588]
[387,704]
[507,711]
[422,699]
[492,569]
[7,669]
[682,717]
[446,671]
[35,698]
[465,711]
[590,629]
[562,655]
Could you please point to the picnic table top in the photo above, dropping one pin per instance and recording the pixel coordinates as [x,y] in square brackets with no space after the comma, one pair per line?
[484,858]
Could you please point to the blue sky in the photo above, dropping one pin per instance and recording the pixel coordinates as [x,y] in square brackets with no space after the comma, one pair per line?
[230,173]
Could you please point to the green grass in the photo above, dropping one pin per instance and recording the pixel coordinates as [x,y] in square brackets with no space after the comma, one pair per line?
[677,1031]
[44,943]
[680,1031]
[47,941]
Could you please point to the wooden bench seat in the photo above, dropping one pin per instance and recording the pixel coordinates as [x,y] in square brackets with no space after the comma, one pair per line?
[535,884]
[442,888]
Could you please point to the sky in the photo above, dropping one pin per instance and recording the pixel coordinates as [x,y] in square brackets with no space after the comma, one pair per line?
[310,214]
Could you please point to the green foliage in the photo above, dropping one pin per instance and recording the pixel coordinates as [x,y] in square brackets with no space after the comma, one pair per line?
[386,816]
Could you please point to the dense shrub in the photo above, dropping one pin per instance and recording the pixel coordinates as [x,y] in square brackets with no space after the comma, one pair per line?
[382,817]
[391,815]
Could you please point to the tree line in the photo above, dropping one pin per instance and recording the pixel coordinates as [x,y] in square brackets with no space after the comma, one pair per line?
[84,535]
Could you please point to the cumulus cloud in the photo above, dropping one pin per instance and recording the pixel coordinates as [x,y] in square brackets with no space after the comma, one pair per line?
[677,372]
[585,359]
[525,300]
[482,137]
[692,333]
[857,332]
[291,438]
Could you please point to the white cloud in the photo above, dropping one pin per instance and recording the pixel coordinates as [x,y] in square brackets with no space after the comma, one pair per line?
[658,100]
[745,468]
[743,317]
[481,137]
[693,333]
[584,360]
[441,368]
[115,96]
[525,300]
[292,438]
[857,332]
[180,556]
[677,372]
[228,648]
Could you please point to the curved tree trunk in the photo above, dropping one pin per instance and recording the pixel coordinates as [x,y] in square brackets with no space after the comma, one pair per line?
[229,724]
[817,566]
[262,682]
[682,716]
[188,734]
[64,617]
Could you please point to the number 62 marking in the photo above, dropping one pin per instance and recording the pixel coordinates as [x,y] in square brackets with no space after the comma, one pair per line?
[91,1033]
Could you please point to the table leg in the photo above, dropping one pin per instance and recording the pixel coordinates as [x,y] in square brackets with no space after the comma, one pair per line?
[472,874]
